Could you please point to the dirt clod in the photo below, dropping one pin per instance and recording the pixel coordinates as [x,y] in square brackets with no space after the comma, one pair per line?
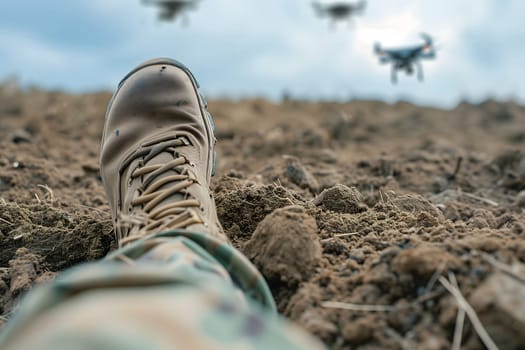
[24,269]
[423,261]
[341,199]
[360,330]
[417,204]
[241,209]
[285,248]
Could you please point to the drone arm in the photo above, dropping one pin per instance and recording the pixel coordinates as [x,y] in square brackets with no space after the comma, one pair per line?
[185,20]
[428,55]
[384,59]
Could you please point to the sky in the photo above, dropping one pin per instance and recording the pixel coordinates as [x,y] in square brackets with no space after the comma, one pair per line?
[247,48]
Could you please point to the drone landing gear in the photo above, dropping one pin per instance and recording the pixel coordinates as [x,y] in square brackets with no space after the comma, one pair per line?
[419,71]
[393,75]
[185,20]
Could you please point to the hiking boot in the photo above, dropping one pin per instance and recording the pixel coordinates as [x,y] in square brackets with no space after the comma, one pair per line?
[157,154]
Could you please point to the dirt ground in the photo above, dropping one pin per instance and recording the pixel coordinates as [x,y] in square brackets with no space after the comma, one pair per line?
[377,206]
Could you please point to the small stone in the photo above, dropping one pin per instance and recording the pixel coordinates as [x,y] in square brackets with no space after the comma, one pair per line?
[341,199]
[5,183]
[316,324]
[361,330]
[358,255]
[3,287]
[405,316]
[389,253]
[427,220]
[520,200]
[23,270]
[334,247]
[451,213]
[518,228]
[365,294]
[416,204]
[380,275]
[299,175]
[439,184]
[20,136]
[478,222]
[328,156]
[90,167]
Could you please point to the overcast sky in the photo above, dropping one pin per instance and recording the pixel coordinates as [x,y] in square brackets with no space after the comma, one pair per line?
[252,47]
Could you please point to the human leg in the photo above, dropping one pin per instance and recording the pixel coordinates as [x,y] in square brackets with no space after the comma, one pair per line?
[175,280]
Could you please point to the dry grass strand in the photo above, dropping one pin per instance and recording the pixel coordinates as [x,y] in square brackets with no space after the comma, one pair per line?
[471,313]
[357,307]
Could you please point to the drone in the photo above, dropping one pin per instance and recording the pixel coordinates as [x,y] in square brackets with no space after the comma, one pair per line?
[171,9]
[339,11]
[405,59]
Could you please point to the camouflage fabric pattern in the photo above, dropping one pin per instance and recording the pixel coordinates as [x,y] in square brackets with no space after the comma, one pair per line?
[172,290]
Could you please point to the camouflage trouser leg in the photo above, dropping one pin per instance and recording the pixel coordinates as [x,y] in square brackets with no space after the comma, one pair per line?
[174,290]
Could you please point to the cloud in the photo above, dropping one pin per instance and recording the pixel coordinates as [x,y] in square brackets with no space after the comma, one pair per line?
[248,47]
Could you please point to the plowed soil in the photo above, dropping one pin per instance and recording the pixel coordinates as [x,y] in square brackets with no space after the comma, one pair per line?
[379,201]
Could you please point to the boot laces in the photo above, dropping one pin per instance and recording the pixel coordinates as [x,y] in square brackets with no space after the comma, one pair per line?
[155,216]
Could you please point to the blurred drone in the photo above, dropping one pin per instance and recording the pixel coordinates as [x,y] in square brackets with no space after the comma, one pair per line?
[405,59]
[339,11]
[171,9]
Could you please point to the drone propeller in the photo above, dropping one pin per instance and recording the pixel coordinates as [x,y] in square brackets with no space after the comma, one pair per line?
[437,46]
[318,8]
[360,6]
[377,49]
[427,38]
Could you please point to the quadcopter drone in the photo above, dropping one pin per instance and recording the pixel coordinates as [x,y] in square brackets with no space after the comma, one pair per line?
[405,59]
[171,9]
[339,11]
